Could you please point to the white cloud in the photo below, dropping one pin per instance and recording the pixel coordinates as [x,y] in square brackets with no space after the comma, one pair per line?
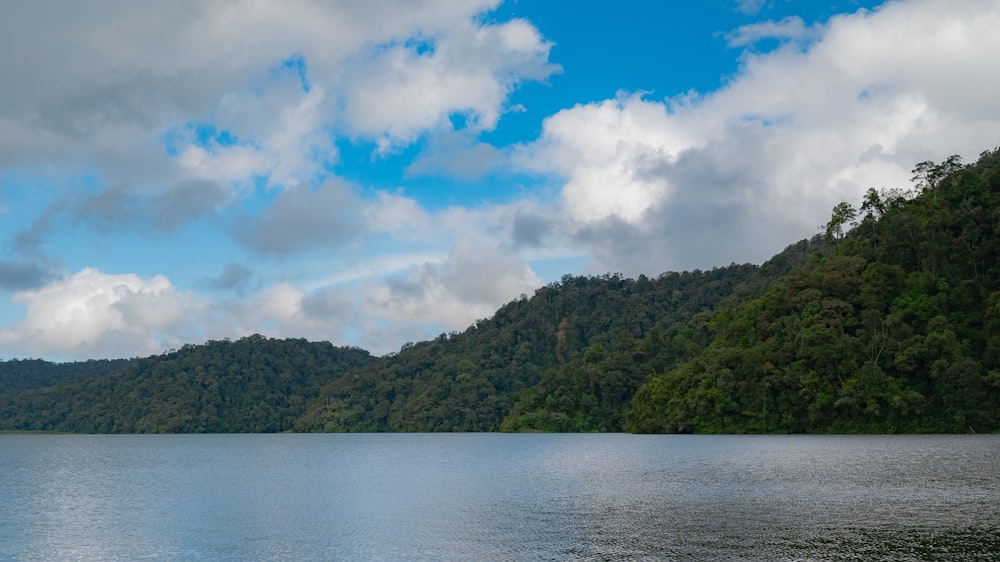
[285,135]
[103,85]
[226,164]
[737,174]
[94,314]
[402,92]
[601,148]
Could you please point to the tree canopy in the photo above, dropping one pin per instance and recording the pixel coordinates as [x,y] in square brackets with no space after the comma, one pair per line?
[891,328]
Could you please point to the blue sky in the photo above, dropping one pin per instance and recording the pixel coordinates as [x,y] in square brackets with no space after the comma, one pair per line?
[374,173]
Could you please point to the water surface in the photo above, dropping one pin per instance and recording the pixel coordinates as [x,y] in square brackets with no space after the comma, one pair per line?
[499,497]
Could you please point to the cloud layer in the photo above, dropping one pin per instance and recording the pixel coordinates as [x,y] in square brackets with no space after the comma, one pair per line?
[214,133]
[733,175]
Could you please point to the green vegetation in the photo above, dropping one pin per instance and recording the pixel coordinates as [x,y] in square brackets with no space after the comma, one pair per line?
[470,381]
[891,328]
[254,384]
[26,374]
[885,322]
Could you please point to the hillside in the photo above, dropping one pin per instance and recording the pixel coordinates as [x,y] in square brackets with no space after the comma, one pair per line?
[254,384]
[468,381]
[27,374]
[893,328]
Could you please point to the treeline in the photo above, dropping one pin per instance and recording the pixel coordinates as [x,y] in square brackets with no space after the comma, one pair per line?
[886,322]
[26,374]
[254,384]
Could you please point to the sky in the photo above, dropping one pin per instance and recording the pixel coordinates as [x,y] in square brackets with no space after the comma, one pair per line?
[377,173]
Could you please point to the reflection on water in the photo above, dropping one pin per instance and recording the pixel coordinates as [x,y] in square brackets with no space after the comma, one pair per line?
[499,497]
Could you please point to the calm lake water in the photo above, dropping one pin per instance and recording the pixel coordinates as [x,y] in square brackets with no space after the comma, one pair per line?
[499,497]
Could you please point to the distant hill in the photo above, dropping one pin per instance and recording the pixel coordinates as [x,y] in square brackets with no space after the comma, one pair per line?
[886,322]
[469,381]
[26,374]
[254,384]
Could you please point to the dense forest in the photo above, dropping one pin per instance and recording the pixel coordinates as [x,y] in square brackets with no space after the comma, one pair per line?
[891,328]
[26,374]
[469,381]
[885,322]
[254,384]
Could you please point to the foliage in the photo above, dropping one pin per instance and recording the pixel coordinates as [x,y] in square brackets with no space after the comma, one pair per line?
[254,384]
[892,328]
[470,381]
[26,374]
[590,393]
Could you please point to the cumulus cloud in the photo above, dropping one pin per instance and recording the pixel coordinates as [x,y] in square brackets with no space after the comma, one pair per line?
[404,90]
[285,131]
[176,113]
[185,201]
[114,87]
[146,209]
[95,314]
[92,314]
[151,120]
[735,175]
[599,147]
[127,64]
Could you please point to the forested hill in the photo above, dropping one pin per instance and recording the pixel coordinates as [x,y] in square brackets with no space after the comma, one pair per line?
[887,322]
[469,381]
[26,374]
[254,384]
[894,328]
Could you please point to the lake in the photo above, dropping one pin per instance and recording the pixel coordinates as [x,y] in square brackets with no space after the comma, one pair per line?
[498,497]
